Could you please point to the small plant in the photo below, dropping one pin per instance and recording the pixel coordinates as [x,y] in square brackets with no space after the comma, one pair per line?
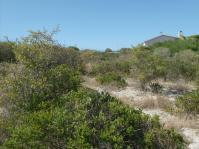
[155,87]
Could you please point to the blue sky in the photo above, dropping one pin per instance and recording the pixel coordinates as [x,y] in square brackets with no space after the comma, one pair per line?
[99,24]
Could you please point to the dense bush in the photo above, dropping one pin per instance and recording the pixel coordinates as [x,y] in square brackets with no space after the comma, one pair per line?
[189,103]
[110,72]
[59,125]
[179,45]
[147,66]
[41,51]
[29,89]
[4,69]
[7,51]
[42,75]
[110,66]
[161,139]
[185,64]
[111,78]
[90,120]
[151,64]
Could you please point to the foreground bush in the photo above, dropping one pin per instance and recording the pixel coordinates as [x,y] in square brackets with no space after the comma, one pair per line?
[89,120]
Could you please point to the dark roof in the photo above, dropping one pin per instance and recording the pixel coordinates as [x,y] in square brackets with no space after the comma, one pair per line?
[159,37]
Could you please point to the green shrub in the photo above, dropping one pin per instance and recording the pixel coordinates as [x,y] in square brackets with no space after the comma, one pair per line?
[151,64]
[28,89]
[47,56]
[184,64]
[58,127]
[148,67]
[189,103]
[109,78]
[115,125]
[179,45]
[89,120]
[4,69]
[42,75]
[162,139]
[7,52]
[110,66]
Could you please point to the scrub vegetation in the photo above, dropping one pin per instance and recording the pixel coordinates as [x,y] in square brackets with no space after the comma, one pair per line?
[44,105]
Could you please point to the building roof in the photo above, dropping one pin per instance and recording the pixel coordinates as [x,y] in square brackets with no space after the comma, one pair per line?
[160,38]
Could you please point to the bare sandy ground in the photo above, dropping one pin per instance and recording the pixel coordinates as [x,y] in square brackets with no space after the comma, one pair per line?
[131,94]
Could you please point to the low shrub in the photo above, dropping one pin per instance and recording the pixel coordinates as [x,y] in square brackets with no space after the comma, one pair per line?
[109,78]
[110,66]
[148,67]
[161,139]
[189,103]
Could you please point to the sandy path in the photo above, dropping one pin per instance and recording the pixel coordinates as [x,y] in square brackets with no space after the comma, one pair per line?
[189,129]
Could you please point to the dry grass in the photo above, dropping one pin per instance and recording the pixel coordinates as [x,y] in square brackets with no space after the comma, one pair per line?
[88,67]
[157,102]
[182,122]
[149,103]
[90,82]
[178,85]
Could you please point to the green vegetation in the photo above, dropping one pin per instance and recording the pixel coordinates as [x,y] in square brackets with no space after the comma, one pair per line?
[148,66]
[111,78]
[45,106]
[191,43]
[7,51]
[152,64]
[189,103]
[122,68]
[109,72]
